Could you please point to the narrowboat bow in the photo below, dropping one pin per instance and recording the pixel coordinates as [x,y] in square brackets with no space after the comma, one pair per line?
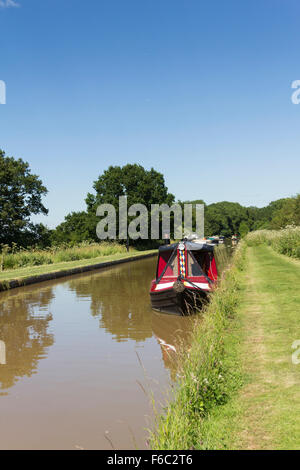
[185,275]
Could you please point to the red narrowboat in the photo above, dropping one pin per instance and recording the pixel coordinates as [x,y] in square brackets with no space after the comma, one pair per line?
[186,273]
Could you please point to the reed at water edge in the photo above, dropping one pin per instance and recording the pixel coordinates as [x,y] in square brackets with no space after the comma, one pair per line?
[209,372]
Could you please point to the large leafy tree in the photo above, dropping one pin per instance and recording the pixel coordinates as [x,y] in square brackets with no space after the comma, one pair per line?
[224,218]
[21,195]
[286,213]
[77,227]
[243,228]
[132,180]
[141,186]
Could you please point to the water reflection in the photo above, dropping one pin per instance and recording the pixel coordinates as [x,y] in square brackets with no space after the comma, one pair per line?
[173,335]
[120,299]
[24,322]
[88,380]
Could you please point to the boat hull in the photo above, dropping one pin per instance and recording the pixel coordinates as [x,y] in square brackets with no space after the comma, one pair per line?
[178,303]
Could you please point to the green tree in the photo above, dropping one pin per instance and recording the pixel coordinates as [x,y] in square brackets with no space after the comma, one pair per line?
[132,180]
[21,195]
[224,218]
[243,228]
[194,203]
[261,217]
[297,210]
[38,234]
[287,213]
[77,227]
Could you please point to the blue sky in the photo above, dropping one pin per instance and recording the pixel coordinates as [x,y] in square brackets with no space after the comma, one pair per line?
[200,90]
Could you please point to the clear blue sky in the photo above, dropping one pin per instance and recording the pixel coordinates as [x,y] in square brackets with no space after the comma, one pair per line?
[200,90]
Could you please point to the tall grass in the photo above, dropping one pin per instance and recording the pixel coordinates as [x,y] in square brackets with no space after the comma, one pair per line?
[20,257]
[223,256]
[207,377]
[285,241]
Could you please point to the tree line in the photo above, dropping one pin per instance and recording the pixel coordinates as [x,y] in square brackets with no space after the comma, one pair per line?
[21,194]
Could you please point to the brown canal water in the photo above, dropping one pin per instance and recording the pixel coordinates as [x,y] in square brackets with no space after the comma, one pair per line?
[76,356]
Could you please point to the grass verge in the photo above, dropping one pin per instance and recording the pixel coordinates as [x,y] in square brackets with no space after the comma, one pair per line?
[285,241]
[259,408]
[23,273]
[210,372]
[266,412]
[15,258]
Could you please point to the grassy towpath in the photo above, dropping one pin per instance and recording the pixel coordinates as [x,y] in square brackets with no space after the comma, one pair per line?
[23,273]
[265,414]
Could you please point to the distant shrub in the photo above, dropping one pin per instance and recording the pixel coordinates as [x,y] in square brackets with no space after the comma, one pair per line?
[285,241]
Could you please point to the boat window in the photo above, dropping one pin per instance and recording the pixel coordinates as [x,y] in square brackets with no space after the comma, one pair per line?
[204,259]
[172,269]
[194,269]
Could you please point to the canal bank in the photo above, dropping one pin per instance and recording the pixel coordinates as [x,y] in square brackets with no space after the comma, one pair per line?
[239,384]
[209,373]
[35,274]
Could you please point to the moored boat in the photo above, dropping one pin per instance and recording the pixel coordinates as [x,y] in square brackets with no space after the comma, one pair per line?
[186,273]
[213,240]
[234,240]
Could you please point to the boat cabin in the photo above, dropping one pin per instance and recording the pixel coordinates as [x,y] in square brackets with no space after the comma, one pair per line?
[186,260]
[183,268]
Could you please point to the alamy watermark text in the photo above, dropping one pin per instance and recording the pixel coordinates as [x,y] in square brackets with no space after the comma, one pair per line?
[296,95]
[138,222]
[2,92]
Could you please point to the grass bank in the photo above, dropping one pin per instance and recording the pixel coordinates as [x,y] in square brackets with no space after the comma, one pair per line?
[15,258]
[209,374]
[239,384]
[265,414]
[23,274]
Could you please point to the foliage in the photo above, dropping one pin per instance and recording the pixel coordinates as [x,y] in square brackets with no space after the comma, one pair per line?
[227,218]
[139,185]
[76,228]
[132,180]
[17,257]
[224,218]
[221,218]
[285,241]
[243,229]
[287,214]
[21,195]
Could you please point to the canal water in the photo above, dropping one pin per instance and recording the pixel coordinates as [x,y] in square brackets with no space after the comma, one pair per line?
[80,358]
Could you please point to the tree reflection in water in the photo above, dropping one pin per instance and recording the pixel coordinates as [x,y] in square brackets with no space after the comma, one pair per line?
[120,299]
[24,321]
